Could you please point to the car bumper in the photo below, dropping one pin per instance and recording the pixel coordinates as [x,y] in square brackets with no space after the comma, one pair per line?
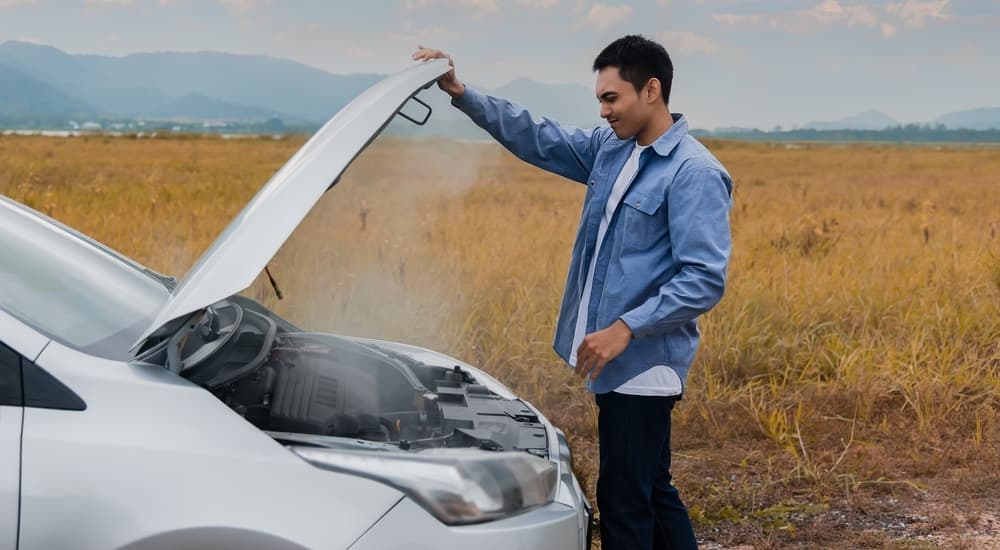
[563,524]
[554,526]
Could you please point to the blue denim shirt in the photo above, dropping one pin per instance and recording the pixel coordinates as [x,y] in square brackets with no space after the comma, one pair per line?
[664,258]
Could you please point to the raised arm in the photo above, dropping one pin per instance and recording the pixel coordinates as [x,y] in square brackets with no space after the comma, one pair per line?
[564,150]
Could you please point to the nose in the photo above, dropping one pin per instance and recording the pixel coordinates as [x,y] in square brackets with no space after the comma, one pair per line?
[605,111]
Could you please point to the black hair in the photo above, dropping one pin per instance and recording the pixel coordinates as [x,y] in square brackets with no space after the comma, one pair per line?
[638,59]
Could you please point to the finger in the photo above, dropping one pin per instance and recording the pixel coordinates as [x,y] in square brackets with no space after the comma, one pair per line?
[587,366]
[582,355]
[597,369]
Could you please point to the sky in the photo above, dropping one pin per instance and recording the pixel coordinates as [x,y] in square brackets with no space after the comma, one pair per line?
[749,63]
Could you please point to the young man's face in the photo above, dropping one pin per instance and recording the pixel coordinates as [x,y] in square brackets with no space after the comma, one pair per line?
[625,109]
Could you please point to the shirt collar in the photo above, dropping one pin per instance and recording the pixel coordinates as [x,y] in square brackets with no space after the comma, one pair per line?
[664,145]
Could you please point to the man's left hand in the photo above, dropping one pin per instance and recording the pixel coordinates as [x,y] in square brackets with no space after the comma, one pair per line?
[598,348]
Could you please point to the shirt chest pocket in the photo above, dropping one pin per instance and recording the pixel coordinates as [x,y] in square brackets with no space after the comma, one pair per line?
[645,221]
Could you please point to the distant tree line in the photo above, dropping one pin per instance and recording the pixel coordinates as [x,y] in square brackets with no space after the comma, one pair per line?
[273,125]
[919,133]
[910,133]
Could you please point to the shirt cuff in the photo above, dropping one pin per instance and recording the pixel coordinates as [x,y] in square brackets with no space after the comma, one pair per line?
[469,98]
[636,323]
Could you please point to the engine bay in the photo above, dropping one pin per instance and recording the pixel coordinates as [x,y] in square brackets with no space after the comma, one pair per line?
[316,388]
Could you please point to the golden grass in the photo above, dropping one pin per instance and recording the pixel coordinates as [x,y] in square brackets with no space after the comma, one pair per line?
[856,352]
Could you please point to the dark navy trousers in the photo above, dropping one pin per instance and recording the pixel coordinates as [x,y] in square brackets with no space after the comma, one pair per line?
[640,509]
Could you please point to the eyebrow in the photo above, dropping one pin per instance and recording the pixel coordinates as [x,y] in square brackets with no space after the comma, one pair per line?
[606,94]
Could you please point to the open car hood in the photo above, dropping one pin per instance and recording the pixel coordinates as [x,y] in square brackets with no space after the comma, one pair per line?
[245,247]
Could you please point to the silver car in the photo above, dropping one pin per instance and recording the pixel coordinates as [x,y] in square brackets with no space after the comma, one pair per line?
[136,412]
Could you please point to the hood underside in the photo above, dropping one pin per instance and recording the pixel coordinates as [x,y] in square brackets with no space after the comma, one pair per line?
[244,248]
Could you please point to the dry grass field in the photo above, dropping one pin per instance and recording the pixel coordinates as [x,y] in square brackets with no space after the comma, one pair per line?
[847,390]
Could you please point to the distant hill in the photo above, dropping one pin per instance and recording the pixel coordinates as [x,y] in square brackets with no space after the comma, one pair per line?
[200,107]
[142,84]
[220,86]
[726,130]
[22,95]
[566,103]
[868,120]
[987,118]
[910,133]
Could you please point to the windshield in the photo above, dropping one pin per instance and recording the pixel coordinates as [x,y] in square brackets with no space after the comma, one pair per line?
[70,290]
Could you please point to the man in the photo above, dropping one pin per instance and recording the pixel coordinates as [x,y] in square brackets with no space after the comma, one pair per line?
[650,256]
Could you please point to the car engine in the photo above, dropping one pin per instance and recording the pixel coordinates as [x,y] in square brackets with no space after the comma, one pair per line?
[287,382]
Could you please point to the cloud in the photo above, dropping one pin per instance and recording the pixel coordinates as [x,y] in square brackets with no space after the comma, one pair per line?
[358,52]
[914,14]
[411,36]
[601,16]
[687,42]
[109,2]
[238,5]
[825,14]
[830,13]
[538,3]
[736,19]
[13,3]
[480,7]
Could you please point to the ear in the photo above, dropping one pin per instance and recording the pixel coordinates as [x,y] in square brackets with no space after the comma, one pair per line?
[653,90]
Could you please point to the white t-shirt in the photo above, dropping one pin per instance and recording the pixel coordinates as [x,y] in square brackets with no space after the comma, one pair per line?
[657,380]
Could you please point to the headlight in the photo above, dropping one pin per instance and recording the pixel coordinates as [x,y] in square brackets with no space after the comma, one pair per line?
[457,486]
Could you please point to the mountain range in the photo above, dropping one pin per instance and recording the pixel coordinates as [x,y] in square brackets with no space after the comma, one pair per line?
[970,119]
[868,120]
[47,86]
